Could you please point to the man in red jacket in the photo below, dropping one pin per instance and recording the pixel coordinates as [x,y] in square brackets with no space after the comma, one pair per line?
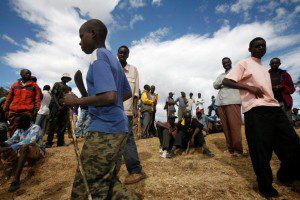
[23,97]
[283,87]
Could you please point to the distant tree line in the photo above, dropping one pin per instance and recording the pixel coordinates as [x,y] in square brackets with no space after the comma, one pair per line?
[3,92]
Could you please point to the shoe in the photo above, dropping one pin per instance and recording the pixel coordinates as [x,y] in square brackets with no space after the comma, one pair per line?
[135,178]
[171,154]
[164,154]
[237,155]
[14,186]
[269,192]
[208,153]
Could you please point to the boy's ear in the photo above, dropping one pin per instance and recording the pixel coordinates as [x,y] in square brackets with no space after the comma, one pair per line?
[94,35]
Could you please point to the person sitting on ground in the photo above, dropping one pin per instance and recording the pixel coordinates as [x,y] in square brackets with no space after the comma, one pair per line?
[296,117]
[190,134]
[25,145]
[167,132]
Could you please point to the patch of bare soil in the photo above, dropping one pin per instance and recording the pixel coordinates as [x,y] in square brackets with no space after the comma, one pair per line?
[191,176]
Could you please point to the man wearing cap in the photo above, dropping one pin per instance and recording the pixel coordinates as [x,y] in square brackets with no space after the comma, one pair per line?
[58,112]
[202,119]
[190,134]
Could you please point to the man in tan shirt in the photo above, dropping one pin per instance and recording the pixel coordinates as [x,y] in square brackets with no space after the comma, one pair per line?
[130,154]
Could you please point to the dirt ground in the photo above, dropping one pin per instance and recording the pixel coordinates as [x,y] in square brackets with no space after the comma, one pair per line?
[191,176]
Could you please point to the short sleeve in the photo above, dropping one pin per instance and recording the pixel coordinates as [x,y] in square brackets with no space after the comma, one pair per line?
[103,78]
[137,82]
[236,73]
[126,86]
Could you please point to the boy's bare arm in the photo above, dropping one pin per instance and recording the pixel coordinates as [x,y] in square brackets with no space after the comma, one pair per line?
[252,89]
[103,99]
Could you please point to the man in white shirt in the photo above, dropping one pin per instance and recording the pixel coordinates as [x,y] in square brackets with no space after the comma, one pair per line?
[190,104]
[43,113]
[130,154]
[199,103]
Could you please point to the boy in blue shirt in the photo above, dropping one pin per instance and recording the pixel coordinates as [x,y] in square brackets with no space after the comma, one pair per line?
[107,132]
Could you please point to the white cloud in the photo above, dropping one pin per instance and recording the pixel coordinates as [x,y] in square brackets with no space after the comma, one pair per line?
[242,5]
[280,12]
[9,39]
[136,18]
[223,8]
[57,49]
[137,3]
[157,2]
[154,36]
[192,62]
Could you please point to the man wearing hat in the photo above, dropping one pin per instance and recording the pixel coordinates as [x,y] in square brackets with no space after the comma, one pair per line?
[58,112]
[190,134]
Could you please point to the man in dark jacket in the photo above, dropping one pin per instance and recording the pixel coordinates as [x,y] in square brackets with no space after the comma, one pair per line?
[283,86]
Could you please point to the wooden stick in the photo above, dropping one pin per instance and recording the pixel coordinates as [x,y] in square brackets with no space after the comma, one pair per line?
[80,166]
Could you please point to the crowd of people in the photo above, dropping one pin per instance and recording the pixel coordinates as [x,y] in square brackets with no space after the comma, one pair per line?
[115,107]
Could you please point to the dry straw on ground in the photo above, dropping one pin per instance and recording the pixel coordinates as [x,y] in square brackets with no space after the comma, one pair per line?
[191,176]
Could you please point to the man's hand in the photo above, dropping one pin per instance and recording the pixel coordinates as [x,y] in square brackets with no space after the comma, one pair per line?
[5,149]
[256,91]
[192,142]
[135,113]
[70,99]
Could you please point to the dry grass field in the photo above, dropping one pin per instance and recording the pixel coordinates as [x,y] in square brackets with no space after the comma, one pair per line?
[191,176]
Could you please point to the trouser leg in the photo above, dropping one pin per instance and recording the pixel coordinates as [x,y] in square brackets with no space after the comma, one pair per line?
[287,148]
[234,119]
[167,140]
[259,134]
[130,154]
[146,121]
[101,158]
[225,126]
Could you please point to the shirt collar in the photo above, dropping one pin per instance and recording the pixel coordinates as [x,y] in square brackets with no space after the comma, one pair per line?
[256,59]
[126,68]
[93,56]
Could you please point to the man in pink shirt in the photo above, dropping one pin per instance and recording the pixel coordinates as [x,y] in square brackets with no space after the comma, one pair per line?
[266,125]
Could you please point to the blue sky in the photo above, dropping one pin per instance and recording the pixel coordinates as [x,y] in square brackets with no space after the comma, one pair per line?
[176,45]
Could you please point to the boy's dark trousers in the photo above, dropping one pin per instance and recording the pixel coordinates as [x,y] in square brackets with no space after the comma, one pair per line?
[267,130]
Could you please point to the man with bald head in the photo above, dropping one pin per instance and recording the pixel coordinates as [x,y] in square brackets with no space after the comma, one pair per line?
[107,132]
[229,110]
[23,98]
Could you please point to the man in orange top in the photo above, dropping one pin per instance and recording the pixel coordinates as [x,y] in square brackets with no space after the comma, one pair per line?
[23,97]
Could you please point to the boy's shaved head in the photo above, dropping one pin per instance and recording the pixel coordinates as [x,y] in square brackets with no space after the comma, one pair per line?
[96,25]
[92,34]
